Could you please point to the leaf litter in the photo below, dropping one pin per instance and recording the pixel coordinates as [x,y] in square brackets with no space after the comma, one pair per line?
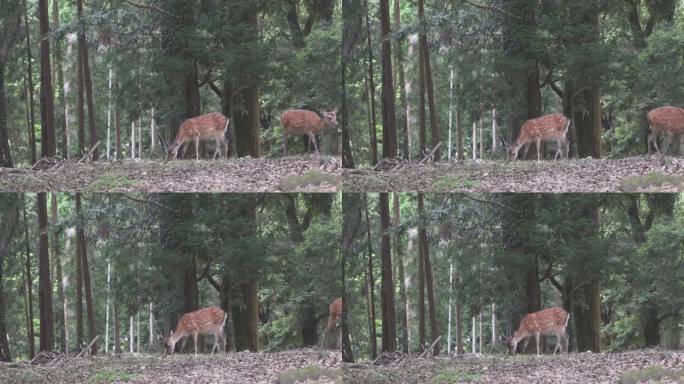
[643,366]
[297,174]
[287,367]
[634,174]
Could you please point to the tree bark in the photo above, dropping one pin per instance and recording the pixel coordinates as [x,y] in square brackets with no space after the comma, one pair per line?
[434,331]
[389,335]
[422,237]
[371,287]
[59,83]
[47,339]
[403,312]
[29,285]
[429,87]
[29,79]
[47,109]
[371,88]
[80,239]
[85,270]
[56,253]
[389,127]
[404,121]
[7,230]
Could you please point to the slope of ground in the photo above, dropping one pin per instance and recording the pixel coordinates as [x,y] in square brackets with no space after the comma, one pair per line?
[244,367]
[636,174]
[650,366]
[290,174]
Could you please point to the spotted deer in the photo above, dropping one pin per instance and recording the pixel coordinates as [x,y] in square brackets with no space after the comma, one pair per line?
[546,128]
[669,120]
[205,321]
[211,126]
[547,322]
[300,122]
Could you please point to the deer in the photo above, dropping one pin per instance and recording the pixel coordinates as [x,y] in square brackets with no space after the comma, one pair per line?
[547,322]
[546,128]
[211,126]
[664,119]
[205,321]
[300,121]
[335,315]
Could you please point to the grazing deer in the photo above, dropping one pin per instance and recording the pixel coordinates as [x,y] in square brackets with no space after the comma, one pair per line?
[211,126]
[203,321]
[300,121]
[335,317]
[547,322]
[545,128]
[664,119]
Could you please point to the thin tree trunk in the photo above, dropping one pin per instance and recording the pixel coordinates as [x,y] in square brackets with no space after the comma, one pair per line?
[109,286]
[86,276]
[389,126]
[56,261]
[29,286]
[493,325]
[80,111]
[29,77]
[493,132]
[131,336]
[481,338]
[83,45]
[117,328]
[80,238]
[151,327]
[473,349]
[422,237]
[432,306]
[399,73]
[451,281]
[47,109]
[59,78]
[371,288]
[451,107]
[152,138]
[133,140]
[109,116]
[459,127]
[389,334]
[5,152]
[421,90]
[117,132]
[459,328]
[474,140]
[47,339]
[429,87]
[371,89]
[7,230]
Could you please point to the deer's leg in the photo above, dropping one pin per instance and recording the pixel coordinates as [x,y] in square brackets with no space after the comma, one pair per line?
[667,141]
[184,148]
[196,141]
[224,141]
[284,142]
[194,340]
[312,138]
[653,139]
[526,147]
[218,145]
[567,148]
[536,338]
[524,347]
[537,142]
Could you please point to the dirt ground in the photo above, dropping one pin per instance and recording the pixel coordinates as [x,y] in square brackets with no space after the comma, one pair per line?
[635,174]
[283,367]
[290,174]
[650,366]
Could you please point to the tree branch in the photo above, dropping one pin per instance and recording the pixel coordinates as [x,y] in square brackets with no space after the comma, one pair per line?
[492,8]
[152,8]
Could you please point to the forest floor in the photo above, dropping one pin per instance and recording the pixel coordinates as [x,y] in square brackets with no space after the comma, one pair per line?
[289,367]
[646,366]
[635,174]
[289,174]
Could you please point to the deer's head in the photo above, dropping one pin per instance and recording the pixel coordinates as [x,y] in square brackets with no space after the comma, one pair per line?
[168,343]
[172,151]
[330,118]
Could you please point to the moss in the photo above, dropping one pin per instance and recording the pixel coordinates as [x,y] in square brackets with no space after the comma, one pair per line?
[650,180]
[111,376]
[308,373]
[450,183]
[653,374]
[454,376]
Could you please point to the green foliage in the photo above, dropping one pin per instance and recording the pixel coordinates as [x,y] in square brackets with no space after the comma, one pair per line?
[454,376]
[652,374]
[110,376]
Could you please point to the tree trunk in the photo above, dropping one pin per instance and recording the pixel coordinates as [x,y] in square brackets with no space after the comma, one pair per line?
[389,335]
[5,153]
[117,328]
[399,262]
[389,127]
[29,286]
[47,339]
[227,305]
[117,132]
[399,74]
[7,230]
[371,89]
[421,89]
[80,239]
[434,331]
[59,82]
[429,87]
[422,237]
[351,24]
[47,110]
[459,328]
[56,261]
[87,81]
[371,288]
[85,270]
[29,79]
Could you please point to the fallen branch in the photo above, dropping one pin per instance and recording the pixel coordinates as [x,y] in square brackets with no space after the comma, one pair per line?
[88,347]
[429,156]
[384,354]
[87,155]
[43,354]
[425,352]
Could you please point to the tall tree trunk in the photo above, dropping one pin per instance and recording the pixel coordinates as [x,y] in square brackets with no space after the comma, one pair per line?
[404,121]
[389,126]
[59,82]
[29,285]
[434,331]
[47,339]
[80,111]
[56,261]
[47,110]
[117,132]
[7,230]
[87,79]
[422,237]
[389,334]
[80,239]
[429,87]
[371,88]
[351,24]
[422,119]
[85,269]
[29,79]
[371,287]
[5,153]
[403,312]
[117,328]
